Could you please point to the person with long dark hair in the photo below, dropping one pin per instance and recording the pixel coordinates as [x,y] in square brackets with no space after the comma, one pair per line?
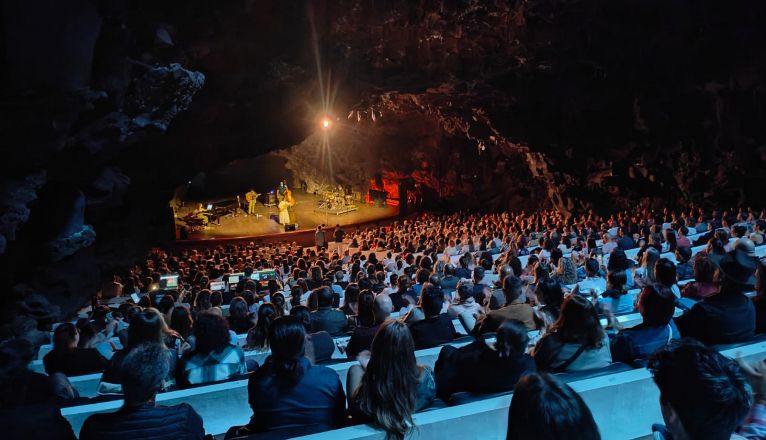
[147,326]
[544,408]
[576,341]
[289,392]
[67,358]
[388,386]
[240,319]
[361,339]
[258,336]
[501,364]
[214,357]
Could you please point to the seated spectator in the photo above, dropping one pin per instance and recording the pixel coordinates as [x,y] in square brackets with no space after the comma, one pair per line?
[28,408]
[550,295]
[144,371]
[214,357]
[67,358]
[575,342]
[593,284]
[333,321]
[240,319]
[644,275]
[501,365]
[388,386]
[350,299]
[514,309]
[363,335]
[716,250]
[729,315]
[682,240]
[465,302]
[449,281]
[258,336]
[684,267]
[619,261]
[147,326]
[404,296]
[704,394]
[181,324]
[544,408]
[566,271]
[320,345]
[665,274]
[435,328]
[289,392]
[616,299]
[703,285]
[759,232]
[656,305]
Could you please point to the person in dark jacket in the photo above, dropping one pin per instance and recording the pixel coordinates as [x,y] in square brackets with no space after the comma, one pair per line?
[728,316]
[501,366]
[145,367]
[363,335]
[326,318]
[67,358]
[656,304]
[28,408]
[289,392]
[319,345]
[436,328]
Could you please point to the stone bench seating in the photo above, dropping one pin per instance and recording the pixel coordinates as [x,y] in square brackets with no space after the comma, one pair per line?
[624,404]
[87,384]
[211,401]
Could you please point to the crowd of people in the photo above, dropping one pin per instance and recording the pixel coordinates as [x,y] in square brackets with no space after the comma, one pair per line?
[529,291]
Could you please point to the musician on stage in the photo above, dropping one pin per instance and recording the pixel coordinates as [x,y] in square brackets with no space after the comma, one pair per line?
[281,190]
[251,196]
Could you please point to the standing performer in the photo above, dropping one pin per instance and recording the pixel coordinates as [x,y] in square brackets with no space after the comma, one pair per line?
[251,196]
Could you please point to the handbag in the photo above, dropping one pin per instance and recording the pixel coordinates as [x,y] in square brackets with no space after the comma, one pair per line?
[562,367]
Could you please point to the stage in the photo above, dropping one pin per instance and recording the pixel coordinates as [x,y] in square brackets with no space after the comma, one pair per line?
[305,209]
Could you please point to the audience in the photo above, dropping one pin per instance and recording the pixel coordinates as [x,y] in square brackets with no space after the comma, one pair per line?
[143,374]
[67,358]
[325,318]
[214,357]
[435,328]
[289,392]
[361,338]
[240,319]
[388,386]
[500,365]
[514,308]
[729,315]
[656,305]
[419,251]
[575,342]
[146,327]
[703,394]
[28,407]
[543,408]
[319,345]
[703,285]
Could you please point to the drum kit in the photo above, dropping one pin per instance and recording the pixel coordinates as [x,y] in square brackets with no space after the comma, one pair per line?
[335,199]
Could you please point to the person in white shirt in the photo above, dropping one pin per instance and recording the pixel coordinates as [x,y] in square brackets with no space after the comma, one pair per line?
[593,284]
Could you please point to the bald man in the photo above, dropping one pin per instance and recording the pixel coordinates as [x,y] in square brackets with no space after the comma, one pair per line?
[361,339]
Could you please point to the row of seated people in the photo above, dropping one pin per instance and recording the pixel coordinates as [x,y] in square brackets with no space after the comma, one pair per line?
[430,330]
[703,394]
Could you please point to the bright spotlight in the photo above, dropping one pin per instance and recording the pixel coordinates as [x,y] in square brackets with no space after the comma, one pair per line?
[325,123]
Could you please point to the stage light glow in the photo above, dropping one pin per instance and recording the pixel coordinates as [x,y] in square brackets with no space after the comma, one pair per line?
[326,123]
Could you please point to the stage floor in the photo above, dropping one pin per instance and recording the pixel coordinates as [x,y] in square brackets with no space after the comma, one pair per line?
[245,226]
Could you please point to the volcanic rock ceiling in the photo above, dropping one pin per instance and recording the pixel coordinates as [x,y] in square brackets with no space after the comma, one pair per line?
[109,106]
